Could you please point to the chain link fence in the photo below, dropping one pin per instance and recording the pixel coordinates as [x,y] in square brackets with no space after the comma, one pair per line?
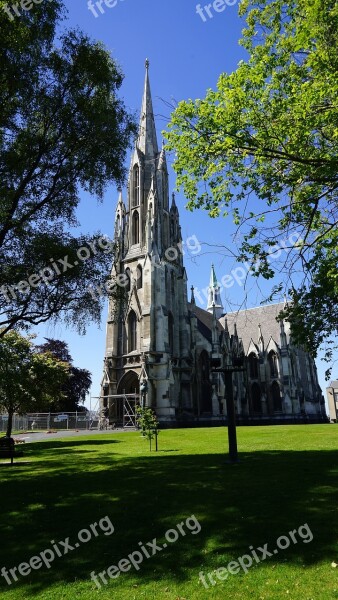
[51,421]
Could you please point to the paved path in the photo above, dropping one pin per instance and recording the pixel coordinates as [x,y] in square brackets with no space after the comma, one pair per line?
[38,436]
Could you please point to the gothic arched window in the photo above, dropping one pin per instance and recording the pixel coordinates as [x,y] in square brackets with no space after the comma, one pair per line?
[256,398]
[139,278]
[172,284]
[135,228]
[171,332]
[132,331]
[253,365]
[276,397]
[127,274]
[273,364]
[136,186]
[172,228]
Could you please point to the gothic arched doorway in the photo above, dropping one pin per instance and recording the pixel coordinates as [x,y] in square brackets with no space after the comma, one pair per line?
[206,387]
[129,384]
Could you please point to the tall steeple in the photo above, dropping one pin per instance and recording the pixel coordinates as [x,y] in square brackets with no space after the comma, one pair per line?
[214,296]
[147,139]
[148,185]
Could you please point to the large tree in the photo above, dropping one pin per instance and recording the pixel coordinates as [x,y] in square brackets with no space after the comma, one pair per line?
[263,146]
[63,129]
[73,391]
[28,379]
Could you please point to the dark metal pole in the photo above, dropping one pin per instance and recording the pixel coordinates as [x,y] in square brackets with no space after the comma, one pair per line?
[228,370]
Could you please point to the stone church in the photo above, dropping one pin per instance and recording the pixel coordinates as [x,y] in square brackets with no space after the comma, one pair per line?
[158,338]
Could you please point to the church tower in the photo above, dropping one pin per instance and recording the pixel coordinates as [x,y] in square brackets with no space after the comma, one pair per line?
[147,330]
[155,339]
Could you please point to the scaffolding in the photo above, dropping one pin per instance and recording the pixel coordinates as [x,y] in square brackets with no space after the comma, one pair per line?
[121,410]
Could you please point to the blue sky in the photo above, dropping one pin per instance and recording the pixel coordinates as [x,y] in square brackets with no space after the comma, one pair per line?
[186,55]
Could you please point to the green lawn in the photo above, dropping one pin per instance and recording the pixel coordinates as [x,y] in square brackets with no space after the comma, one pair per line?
[288,476]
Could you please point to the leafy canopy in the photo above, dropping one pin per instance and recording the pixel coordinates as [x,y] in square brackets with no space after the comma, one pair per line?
[73,391]
[63,127]
[147,420]
[28,379]
[263,146]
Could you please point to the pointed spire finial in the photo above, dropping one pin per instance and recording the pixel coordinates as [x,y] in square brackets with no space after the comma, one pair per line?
[284,341]
[147,63]
[260,338]
[192,301]
[162,162]
[214,294]
[226,327]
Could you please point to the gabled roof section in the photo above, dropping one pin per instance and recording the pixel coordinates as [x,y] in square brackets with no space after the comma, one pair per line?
[248,322]
[204,321]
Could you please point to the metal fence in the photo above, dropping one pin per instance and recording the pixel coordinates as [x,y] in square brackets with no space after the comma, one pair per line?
[20,423]
[50,421]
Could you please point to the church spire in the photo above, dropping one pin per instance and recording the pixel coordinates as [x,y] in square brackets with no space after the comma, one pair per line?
[147,139]
[214,299]
[173,201]
[162,161]
[120,215]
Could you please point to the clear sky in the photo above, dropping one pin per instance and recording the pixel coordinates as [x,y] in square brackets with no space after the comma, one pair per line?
[187,52]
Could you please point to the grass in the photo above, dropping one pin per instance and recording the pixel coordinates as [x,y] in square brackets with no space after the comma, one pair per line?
[288,476]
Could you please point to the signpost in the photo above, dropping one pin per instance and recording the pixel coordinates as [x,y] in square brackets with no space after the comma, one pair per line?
[237,366]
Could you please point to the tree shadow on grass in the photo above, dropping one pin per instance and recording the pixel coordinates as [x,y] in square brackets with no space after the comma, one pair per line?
[15,465]
[60,444]
[266,496]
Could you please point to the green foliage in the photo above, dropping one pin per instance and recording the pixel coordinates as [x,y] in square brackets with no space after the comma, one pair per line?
[147,421]
[63,128]
[28,379]
[73,391]
[264,145]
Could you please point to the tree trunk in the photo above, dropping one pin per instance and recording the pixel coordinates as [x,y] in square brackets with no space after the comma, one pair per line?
[9,423]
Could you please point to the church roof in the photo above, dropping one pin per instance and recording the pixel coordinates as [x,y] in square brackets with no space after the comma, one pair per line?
[248,322]
[204,320]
